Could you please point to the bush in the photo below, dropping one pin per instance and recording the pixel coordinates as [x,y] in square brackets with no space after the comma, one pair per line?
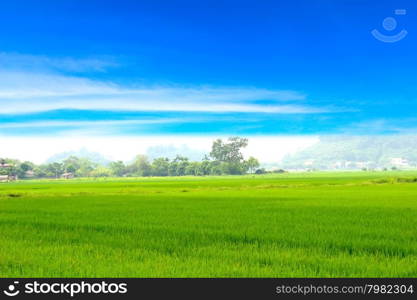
[260,171]
[101,172]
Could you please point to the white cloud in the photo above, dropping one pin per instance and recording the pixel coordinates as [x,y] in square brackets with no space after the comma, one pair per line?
[126,104]
[40,62]
[99,123]
[29,92]
[33,88]
[377,126]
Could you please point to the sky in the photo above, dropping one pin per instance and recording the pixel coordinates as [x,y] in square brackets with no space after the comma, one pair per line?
[128,74]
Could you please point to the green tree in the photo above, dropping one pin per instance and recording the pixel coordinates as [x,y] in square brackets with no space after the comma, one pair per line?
[86,167]
[205,167]
[101,172]
[41,171]
[23,168]
[173,168]
[194,169]
[140,166]
[233,168]
[228,156]
[160,166]
[55,169]
[181,164]
[216,168]
[252,164]
[11,167]
[72,164]
[229,151]
[117,168]
[27,166]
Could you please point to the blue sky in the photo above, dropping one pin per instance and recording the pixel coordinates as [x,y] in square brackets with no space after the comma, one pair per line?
[135,68]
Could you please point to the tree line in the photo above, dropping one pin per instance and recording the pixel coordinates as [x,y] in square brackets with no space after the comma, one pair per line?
[225,158]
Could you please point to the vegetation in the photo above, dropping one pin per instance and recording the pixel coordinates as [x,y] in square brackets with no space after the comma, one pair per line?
[225,158]
[360,224]
[355,152]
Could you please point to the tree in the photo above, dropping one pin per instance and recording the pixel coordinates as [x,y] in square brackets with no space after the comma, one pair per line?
[194,169]
[252,164]
[117,168]
[216,168]
[23,168]
[205,167]
[233,168]
[225,158]
[72,164]
[260,171]
[41,171]
[27,166]
[86,167]
[13,167]
[181,164]
[70,168]
[101,172]
[229,156]
[140,166]
[172,169]
[229,151]
[178,166]
[55,169]
[160,167]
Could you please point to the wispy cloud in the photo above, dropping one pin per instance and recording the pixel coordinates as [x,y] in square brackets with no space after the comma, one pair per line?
[44,96]
[68,124]
[382,126]
[17,61]
[28,92]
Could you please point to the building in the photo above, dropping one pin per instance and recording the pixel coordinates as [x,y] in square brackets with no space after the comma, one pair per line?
[7,178]
[29,174]
[5,165]
[399,162]
[67,175]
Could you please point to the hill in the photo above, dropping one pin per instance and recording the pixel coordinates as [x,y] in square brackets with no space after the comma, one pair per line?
[355,152]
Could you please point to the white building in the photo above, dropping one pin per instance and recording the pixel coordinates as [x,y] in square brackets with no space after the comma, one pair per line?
[399,162]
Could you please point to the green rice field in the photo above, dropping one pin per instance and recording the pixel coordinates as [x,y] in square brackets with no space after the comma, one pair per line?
[353,224]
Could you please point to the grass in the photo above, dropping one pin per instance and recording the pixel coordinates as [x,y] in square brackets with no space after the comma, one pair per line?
[286,225]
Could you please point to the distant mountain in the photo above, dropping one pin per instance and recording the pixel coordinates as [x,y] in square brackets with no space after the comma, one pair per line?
[171,151]
[352,152]
[82,153]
